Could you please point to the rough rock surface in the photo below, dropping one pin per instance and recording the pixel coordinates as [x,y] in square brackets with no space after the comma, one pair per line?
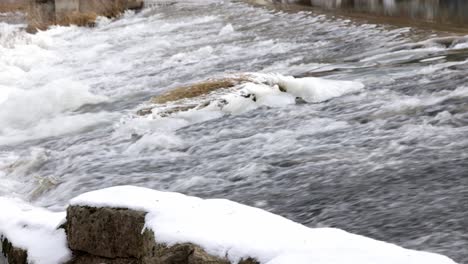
[106,232]
[180,254]
[83,258]
[11,254]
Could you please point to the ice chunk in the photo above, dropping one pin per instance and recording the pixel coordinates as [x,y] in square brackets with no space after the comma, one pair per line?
[314,90]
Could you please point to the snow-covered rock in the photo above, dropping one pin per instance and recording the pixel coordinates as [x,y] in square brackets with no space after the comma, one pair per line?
[134,225]
[226,229]
[25,228]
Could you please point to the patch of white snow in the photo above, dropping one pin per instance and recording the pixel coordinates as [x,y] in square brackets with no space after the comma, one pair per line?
[35,230]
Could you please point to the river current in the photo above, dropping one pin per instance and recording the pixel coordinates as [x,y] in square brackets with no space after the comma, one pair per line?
[389,161]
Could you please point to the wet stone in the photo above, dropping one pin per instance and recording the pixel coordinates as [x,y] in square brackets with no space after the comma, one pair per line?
[9,254]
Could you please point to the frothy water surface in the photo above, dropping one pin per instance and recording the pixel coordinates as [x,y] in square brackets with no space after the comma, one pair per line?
[388,161]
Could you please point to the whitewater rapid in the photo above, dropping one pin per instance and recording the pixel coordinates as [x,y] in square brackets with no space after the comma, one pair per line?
[387,160]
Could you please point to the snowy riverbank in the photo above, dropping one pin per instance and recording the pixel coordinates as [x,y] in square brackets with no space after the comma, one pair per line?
[227,231]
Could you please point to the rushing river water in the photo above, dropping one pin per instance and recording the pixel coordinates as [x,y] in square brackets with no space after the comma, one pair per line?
[389,161]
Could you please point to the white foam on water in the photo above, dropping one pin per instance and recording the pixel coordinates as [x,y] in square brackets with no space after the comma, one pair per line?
[434,59]
[18,171]
[461,46]
[399,103]
[226,30]
[7,184]
[315,90]
[150,143]
[45,111]
[22,108]
[402,55]
[11,34]
[35,101]
[39,97]
[56,126]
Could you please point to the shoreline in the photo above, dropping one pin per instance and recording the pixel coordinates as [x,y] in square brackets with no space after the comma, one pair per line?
[129,224]
[361,17]
[338,13]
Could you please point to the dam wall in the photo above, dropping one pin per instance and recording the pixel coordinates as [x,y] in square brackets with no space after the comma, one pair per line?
[12,5]
[434,11]
[43,13]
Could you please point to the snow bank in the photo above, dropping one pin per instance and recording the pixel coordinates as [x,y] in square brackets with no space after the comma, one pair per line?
[35,230]
[228,229]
